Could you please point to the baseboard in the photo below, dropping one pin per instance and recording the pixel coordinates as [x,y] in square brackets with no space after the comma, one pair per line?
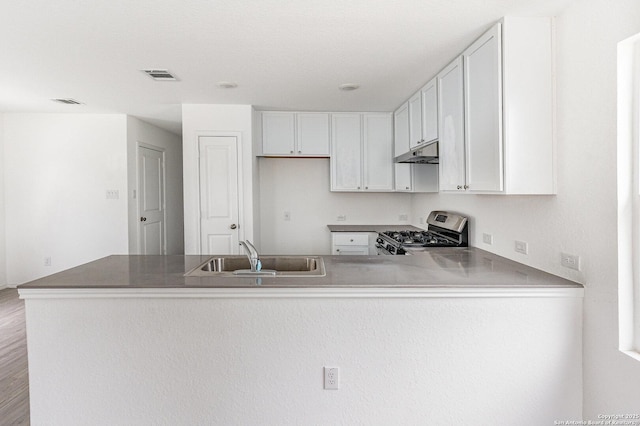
[2,287]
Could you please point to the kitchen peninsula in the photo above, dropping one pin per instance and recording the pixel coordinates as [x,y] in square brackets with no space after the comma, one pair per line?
[449,336]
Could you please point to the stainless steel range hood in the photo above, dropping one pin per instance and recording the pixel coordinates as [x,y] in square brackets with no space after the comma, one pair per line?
[423,154]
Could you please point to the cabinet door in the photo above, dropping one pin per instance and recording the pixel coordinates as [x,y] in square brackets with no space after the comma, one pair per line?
[346,152]
[415,120]
[451,127]
[402,181]
[278,133]
[430,111]
[401,129]
[313,134]
[378,152]
[483,108]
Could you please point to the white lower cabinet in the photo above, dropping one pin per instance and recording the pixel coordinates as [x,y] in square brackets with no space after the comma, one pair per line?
[362,152]
[352,243]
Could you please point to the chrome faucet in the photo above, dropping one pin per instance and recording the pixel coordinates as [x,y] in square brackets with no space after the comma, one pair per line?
[252,255]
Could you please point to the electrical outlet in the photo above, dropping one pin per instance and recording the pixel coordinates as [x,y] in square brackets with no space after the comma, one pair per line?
[113,194]
[570,261]
[404,217]
[287,215]
[521,247]
[342,217]
[47,261]
[487,239]
[331,378]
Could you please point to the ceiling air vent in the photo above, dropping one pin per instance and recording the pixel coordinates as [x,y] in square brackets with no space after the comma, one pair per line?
[160,75]
[68,101]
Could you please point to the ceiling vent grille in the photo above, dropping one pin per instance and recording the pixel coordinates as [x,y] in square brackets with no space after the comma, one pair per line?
[160,75]
[67,101]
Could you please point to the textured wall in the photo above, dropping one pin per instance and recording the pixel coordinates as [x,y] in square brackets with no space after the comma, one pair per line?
[301,187]
[58,168]
[581,219]
[487,361]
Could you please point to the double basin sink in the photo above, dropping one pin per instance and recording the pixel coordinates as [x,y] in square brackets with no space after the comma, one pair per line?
[272,266]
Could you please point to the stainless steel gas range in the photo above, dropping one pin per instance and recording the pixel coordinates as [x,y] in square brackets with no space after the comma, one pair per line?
[444,229]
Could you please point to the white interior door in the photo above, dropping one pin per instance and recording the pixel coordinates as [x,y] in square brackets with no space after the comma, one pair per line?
[219,195]
[151,201]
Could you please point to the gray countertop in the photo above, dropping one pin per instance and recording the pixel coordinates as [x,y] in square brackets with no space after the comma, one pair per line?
[437,267]
[372,228]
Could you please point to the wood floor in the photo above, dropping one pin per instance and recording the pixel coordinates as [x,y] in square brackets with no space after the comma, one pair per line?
[14,378]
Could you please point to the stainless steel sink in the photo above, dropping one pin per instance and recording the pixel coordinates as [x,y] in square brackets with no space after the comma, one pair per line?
[278,266]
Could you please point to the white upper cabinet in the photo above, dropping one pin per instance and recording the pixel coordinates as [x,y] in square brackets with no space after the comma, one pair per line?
[295,134]
[362,152]
[430,111]
[528,106]
[346,150]
[278,133]
[500,140]
[313,134]
[415,120]
[402,172]
[483,113]
[410,177]
[451,127]
[423,115]
[378,152]
[401,130]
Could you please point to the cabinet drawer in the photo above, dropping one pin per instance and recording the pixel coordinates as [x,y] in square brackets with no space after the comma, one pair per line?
[351,251]
[351,239]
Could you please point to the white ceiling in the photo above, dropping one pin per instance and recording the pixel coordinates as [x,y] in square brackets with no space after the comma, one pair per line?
[283,54]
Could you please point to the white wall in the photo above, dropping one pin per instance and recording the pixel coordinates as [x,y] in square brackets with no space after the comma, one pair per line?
[301,187]
[436,361]
[215,120]
[140,132]
[58,168]
[3,239]
[581,219]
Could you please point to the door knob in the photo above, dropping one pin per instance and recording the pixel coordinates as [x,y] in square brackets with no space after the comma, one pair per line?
[143,219]
[233,226]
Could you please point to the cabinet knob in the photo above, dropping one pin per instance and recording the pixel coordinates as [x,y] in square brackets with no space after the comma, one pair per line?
[233,226]
[143,219]
[290,152]
[466,187]
[406,187]
[351,240]
[299,152]
[366,187]
[358,187]
[459,187]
